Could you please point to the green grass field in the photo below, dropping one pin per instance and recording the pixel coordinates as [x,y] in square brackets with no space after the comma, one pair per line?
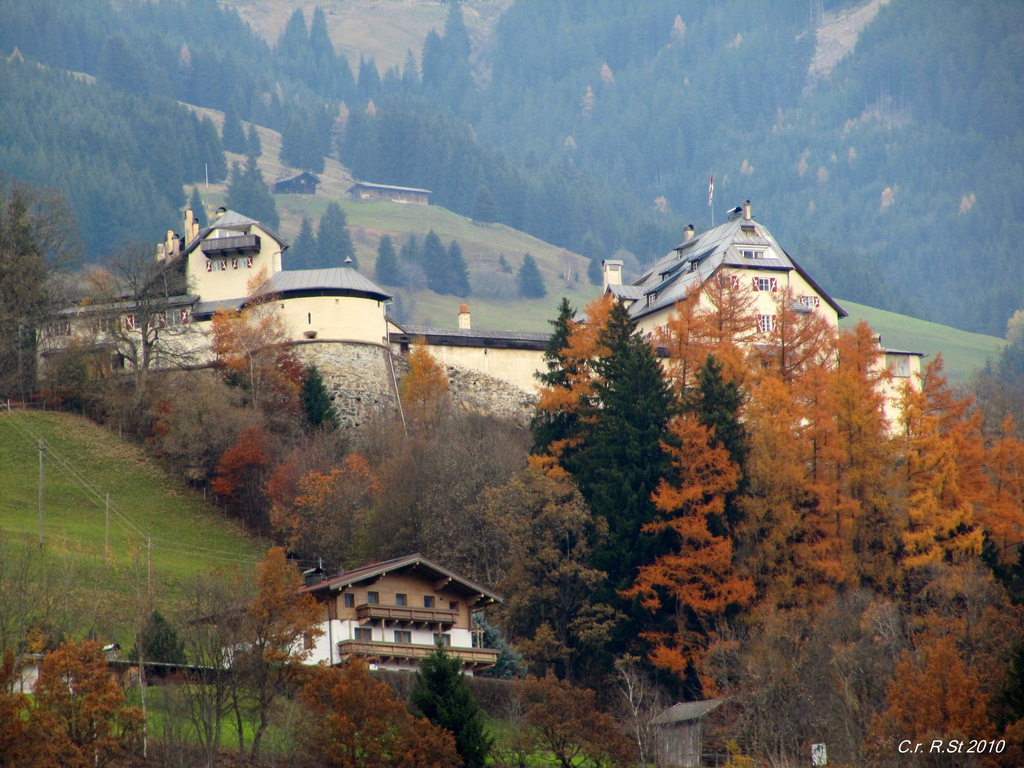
[83,463]
[962,352]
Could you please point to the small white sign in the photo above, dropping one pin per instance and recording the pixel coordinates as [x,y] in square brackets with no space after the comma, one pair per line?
[819,755]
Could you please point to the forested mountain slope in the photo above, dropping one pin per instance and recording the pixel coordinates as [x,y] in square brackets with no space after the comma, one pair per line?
[894,170]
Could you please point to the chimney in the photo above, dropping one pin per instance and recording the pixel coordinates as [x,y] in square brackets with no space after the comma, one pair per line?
[688,233]
[161,252]
[746,210]
[611,270]
[464,317]
[190,221]
[170,244]
[220,212]
[313,576]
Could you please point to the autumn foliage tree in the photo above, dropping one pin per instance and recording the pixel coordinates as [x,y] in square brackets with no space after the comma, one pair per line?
[241,473]
[694,583]
[276,623]
[424,389]
[355,721]
[252,350]
[81,708]
[564,721]
[326,515]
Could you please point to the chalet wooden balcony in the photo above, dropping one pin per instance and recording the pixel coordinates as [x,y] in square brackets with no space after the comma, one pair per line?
[221,246]
[378,650]
[405,615]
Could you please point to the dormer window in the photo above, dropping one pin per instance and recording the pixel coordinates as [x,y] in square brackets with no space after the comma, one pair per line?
[749,229]
[750,253]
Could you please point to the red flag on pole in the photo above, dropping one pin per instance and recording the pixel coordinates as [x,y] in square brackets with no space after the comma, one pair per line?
[711,189]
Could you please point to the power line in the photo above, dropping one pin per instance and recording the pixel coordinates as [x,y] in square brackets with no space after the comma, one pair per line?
[101,499]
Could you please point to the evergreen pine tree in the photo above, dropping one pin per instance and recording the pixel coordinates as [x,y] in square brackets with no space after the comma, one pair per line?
[253,145]
[529,280]
[443,696]
[316,403]
[303,251]
[410,73]
[485,211]
[551,426]
[622,458]
[249,195]
[411,252]
[458,271]
[717,406]
[198,208]
[435,262]
[387,270]
[158,642]
[232,135]
[333,242]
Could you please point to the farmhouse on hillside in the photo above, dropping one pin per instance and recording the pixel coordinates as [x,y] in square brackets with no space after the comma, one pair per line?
[300,184]
[393,614]
[362,190]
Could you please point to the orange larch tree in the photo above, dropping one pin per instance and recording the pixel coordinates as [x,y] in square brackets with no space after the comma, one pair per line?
[572,394]
[697,575]
[424,389]
[933,696]
[81,707]
[942,473]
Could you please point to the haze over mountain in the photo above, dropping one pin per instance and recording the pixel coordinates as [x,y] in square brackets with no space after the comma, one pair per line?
[880,141]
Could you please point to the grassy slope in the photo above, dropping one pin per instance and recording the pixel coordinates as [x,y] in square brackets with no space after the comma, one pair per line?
[962,352]
[188,534]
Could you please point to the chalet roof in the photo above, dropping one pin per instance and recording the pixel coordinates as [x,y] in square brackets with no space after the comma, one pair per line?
[692,262]
[410,563]
[465,337]
[688,710]
[294,176]
[343,281]
[229,220]
[368,185]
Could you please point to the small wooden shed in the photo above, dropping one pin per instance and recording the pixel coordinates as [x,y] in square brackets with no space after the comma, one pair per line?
[680,728]
[301,184]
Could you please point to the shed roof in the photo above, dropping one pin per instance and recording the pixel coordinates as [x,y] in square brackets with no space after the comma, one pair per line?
[688,710]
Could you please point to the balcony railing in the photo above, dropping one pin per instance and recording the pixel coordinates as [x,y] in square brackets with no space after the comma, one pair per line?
[403,614]
[236,244]
[384,651]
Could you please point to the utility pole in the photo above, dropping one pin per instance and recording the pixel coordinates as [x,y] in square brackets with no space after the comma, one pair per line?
[106,534]
[42,453]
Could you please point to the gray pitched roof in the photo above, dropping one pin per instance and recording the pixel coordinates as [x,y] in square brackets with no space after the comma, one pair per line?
[689,264]
[688,710]
[336,280]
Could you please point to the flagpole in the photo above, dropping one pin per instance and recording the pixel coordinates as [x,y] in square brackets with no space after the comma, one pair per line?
[711,197]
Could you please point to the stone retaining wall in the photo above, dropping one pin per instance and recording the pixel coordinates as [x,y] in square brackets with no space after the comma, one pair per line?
[360,380]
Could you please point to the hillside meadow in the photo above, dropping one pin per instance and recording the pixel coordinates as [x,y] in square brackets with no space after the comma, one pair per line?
[83,464]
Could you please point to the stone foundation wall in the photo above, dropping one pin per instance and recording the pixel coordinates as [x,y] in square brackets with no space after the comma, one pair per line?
[357,377]
[360,380]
